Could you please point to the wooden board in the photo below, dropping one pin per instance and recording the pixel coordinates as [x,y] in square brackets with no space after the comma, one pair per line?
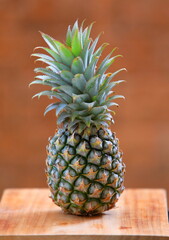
[28,214]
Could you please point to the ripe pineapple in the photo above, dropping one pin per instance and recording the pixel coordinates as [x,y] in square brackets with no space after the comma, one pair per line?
[85,171]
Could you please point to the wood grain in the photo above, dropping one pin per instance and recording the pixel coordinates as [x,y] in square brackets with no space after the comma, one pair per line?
[30,214]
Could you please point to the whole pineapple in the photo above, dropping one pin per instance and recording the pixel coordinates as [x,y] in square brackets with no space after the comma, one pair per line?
[85,171]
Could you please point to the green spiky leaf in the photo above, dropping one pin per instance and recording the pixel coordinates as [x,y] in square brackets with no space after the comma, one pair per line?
[47,72]
[76,45]
[80,97]
[77,66]
[49,41]
[98,110]
[67,89]
[90,70]
[85,53]
[62,117]
[66,75]
[50,107]
[92,48]
[105,65]
[52,53]
[46,82]
[65,53]
[69,37]
[79,82]
[92,86]
[42,56]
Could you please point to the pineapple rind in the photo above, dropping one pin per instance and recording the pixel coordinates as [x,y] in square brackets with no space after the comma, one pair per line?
[79,185]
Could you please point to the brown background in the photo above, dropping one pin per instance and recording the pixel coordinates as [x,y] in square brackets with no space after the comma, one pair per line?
[141,31]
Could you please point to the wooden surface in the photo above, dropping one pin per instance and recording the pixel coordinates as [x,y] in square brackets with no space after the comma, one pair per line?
[29,214]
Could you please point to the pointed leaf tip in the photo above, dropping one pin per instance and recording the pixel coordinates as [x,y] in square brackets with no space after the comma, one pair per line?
[76,43]
[82,24]
[69,37]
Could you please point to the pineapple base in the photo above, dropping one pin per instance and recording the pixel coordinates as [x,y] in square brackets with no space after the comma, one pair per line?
[85,172]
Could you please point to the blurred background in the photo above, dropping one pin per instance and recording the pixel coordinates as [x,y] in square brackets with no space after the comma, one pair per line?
[140,29]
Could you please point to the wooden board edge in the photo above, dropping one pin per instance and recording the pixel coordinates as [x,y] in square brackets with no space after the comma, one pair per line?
[83,237]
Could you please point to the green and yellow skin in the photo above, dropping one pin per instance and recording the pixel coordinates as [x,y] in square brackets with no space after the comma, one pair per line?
[85,172]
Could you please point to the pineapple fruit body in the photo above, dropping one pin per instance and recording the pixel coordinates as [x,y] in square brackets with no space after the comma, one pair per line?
[85,172]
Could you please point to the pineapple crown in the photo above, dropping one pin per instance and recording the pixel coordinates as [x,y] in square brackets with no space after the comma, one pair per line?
[81,89]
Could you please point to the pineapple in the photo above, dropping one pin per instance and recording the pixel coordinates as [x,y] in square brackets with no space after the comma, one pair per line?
[85,172]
